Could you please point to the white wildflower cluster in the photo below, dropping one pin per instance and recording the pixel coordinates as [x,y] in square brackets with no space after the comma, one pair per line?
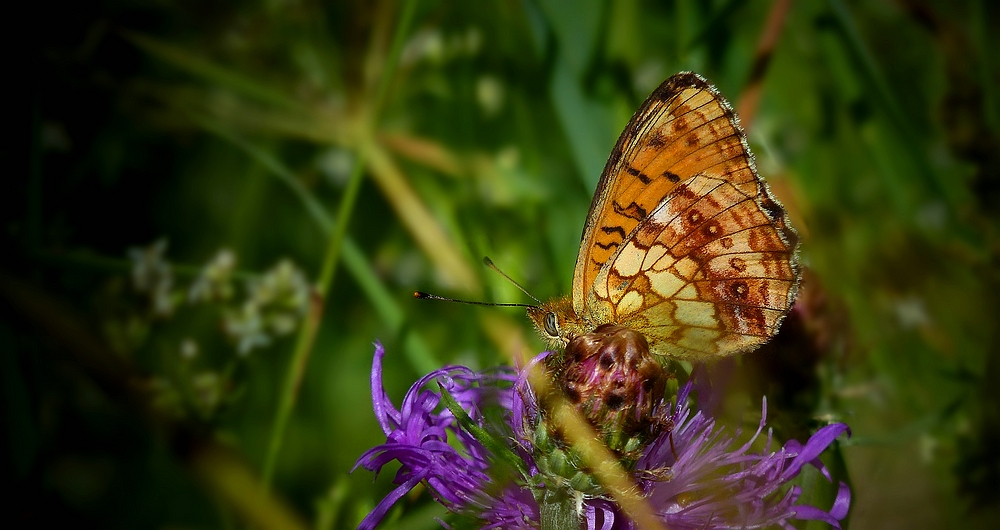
[274,306]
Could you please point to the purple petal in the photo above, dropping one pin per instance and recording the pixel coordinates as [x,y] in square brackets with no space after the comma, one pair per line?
[376,515]
[814,447]
[842,503]
[713,482]
[380,400]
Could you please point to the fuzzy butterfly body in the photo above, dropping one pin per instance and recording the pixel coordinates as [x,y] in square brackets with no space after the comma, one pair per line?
[684,242]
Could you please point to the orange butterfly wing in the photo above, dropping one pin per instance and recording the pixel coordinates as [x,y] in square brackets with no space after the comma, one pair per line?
[684,241]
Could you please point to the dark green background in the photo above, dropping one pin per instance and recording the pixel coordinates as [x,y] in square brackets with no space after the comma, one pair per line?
[237,124]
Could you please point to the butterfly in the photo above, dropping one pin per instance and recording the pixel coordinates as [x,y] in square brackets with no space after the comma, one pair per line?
[684,242]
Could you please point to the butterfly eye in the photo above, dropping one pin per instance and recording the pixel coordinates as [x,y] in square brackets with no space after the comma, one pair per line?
[551,325]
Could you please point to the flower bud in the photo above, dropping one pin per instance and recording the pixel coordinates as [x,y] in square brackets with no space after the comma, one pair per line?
[618,385]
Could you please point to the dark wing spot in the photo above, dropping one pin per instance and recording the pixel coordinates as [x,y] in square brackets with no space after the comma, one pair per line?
[636,173]
[738,264]
[727,242]
[672,177]
[606,246]
[656,140]
[712,229]
[772,209]
[621,283]
[680,124]
[691,140]
[633,210]
[694,217]
[739,289]
[764,292]
[684,191]
[614,230]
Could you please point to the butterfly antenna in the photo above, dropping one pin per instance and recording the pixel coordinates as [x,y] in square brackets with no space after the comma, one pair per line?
[420,295]
[489,263]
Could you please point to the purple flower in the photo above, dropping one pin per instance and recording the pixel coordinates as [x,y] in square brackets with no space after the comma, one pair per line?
[694,476]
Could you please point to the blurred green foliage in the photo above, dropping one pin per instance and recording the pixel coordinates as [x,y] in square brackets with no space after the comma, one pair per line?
[434,133]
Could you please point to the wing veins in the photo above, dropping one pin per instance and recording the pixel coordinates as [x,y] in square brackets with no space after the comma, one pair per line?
[678,138]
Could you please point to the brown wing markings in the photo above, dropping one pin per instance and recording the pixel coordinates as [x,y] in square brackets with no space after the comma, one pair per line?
[724,290]
[721,110]
[751,321]
[760,322]
[728,220]
[765,310]
[703,213]
[729,302]
[683,212]
[758,244]
[698,254]
[630,194]
[743,301]
[679,99]
[730,317]
[743,279]
[670,151]
[636,148]
[614,230]
[662,148]
[644,178]
[676,202]
[704,119]
[778,267]
[644,121]
[635,192]
[632,211]
[613,235]
[727,173]
[779,245]
[771,264]
[645,125]
[635,189]
[697,160]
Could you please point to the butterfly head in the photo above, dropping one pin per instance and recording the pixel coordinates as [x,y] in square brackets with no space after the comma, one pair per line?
[556,322]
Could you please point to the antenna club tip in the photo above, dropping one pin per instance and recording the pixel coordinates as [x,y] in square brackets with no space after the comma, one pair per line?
[420,295]
[487,261]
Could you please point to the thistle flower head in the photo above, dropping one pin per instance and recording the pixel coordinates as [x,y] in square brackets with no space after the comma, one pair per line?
[487,477]
[618,385]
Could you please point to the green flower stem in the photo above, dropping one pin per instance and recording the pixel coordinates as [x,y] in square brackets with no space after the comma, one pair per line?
[418,354]
[307,333]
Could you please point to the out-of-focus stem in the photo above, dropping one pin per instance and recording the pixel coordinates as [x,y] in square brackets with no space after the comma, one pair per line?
[307,333]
